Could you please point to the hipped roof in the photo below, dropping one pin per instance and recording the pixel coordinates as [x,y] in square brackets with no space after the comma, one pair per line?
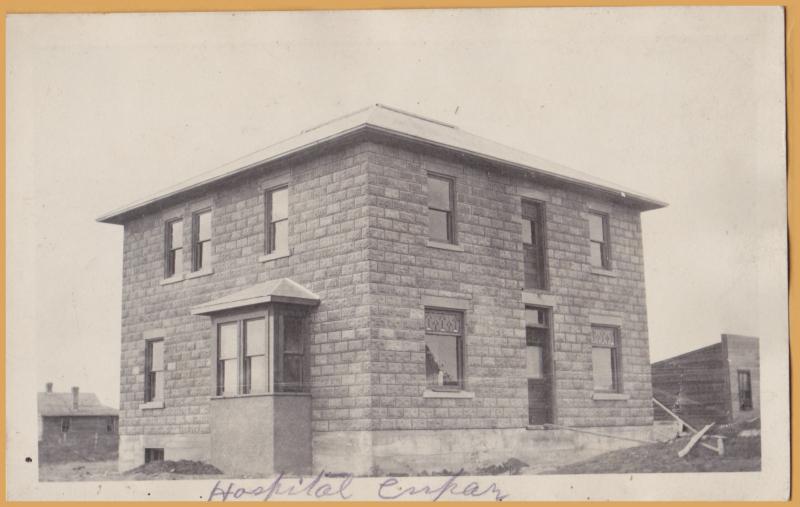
[60,404]
[282,290]
[402,125]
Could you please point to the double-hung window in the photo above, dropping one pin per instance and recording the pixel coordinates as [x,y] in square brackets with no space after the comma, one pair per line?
[533,244]
[605,359]
[745,390]
[255,356]
[251,359]
[228,358]
[600,254]
[289,346]
[444,349]
[277,220]
[64,424]
[154,370]
[201,240]
[440,209]
[174,248]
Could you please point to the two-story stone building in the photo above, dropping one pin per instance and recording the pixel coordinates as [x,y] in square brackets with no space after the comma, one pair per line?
[383,291]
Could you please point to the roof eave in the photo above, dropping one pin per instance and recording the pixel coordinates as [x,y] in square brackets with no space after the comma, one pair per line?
[637,200]
[640,201]
[254,301]
[118,216]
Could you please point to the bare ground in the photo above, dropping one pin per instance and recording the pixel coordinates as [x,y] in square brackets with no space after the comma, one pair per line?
[107,471]
[742,454]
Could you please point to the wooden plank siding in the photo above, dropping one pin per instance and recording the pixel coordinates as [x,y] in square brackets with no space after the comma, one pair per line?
[693,385]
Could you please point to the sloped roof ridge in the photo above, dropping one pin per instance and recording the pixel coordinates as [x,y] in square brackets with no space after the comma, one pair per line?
[395,122]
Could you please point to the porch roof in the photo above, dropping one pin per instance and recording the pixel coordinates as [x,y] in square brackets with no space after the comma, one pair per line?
[281,290]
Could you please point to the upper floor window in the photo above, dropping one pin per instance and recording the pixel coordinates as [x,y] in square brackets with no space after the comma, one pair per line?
[598,236]
[533,244]
[277,220]
[745,390]
[605,358]
[154,370]
[201,240]
[440,208]
[174,248]
[444,349]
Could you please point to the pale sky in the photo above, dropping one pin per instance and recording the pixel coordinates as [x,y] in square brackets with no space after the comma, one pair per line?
[684,104]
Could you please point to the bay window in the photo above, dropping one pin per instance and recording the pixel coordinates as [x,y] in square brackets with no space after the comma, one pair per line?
[261,352]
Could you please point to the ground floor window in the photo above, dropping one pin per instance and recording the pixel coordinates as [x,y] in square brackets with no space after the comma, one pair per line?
[605,358]
[444,349]
[64,424]
[262,352]
[154,370]
[290,352]
[745,390]
[152,454]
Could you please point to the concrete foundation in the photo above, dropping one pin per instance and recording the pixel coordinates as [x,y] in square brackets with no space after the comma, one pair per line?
[417,451]
[176,447]
[262,434]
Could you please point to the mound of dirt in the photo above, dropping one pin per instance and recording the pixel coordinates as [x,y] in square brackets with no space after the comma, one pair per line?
[183,467]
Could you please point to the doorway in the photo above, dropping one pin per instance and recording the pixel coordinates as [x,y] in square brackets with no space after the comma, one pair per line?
[539,366]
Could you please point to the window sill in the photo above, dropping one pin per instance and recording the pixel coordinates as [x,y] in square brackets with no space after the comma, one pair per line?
[445,246]
[604,272]
[610,396]
[172,279]
[198,274]
[151,405]
[538,298]
[274,255]
[258,395]
[429,393]
[538,427]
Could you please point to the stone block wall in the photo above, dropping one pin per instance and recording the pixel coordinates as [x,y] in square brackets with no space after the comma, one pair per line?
[358,238]
[488,275]
[327,238]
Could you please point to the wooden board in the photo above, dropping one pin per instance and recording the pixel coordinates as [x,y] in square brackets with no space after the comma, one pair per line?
[696,438]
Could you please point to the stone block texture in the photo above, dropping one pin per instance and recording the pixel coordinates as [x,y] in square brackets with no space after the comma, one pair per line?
[358,237]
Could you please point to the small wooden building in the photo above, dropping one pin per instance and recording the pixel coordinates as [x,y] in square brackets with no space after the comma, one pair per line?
[76,427]
[718,383]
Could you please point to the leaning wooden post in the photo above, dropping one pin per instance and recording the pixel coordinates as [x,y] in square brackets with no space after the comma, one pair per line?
[697,436]
[673,415]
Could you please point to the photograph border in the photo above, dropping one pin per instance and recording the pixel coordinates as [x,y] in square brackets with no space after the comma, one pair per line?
[792,59]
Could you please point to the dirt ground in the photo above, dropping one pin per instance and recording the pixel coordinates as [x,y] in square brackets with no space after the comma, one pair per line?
[107,471]
[742,454]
